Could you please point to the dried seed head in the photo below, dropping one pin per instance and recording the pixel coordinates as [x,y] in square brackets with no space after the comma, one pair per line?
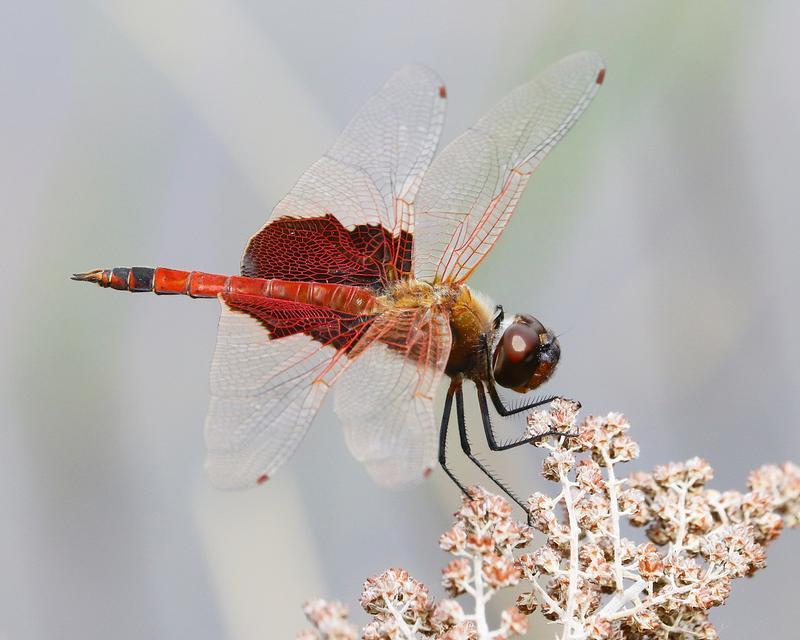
[650,564]
[500,571]
[590,477]
[700,541]
[623,449]
[514,621]
[559,463]
[381,630]
[329,620]
[462,631]
[454,539]
[527,603]
[456,576]
[446,614]
[395,589]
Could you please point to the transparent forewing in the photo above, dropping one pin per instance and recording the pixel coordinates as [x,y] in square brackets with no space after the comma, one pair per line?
[373,171]
[264,394]
[472,187]
[385,397]
[393,137]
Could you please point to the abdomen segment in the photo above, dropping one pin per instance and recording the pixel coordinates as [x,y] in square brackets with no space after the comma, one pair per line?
[198,284]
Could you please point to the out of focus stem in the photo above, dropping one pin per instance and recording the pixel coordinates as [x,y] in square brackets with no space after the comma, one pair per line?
[481,626]
[572,631]
[612,497]
[408,634]
[681,488]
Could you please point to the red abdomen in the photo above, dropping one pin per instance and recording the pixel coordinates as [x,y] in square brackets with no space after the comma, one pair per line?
[357,301]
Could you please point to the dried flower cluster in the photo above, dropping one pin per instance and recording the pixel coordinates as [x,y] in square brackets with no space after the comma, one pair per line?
[587,576]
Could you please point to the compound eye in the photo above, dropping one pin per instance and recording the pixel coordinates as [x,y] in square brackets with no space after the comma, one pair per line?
[525,355]
[515,354]
[519,342]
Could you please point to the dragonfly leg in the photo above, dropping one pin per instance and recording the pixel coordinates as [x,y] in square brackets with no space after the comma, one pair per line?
[462,432]
[488,428]
[448,405]
[504,411]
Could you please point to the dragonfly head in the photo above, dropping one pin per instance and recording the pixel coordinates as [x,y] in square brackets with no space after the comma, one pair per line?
[525,355]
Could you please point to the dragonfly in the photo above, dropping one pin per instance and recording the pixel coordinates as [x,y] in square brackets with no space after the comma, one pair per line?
[357,282]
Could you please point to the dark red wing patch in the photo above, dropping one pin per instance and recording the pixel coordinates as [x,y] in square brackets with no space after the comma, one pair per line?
[322,250]
[284,318]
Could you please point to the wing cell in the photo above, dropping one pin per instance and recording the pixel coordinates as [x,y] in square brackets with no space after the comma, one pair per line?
[384,398]
[264,395]
[472,187]
[367,180]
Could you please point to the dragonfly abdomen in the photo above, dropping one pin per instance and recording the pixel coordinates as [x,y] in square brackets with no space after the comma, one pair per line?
[198,284]
[159,280]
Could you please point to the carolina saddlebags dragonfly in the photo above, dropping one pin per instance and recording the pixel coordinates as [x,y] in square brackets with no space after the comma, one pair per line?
[357,281]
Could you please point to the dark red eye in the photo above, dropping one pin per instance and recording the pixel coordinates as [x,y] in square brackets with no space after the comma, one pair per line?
[526,355]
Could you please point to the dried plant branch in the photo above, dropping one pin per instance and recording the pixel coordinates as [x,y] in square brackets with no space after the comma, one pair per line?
[586,576]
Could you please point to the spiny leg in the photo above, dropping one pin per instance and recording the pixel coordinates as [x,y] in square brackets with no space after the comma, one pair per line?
[505,411]
[462,432]
[502,410]
[488,428]
[448,405]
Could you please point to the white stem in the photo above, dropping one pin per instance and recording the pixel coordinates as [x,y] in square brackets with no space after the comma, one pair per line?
[481,625]
[615,535]
[682,489]
[649,603]
[408,633]
[554,606]
[723,515]
[621,598]
[572,629]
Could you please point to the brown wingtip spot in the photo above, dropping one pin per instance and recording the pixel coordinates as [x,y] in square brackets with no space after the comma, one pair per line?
[442,92]
[601,75]
[262,479]
[427,472]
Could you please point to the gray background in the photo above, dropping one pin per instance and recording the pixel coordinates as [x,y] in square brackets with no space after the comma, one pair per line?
[661,236]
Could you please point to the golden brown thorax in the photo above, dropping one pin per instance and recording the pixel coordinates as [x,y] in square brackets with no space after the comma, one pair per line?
[469,318]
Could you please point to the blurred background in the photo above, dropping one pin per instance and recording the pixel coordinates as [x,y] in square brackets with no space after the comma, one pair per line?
[661,236]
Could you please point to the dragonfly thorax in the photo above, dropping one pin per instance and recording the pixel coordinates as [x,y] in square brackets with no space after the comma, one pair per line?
[471,318]
[410,294]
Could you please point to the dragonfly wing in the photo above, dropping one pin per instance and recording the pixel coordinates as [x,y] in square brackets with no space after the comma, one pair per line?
[472,187]
[363,186]
[264,394]
[393,137]
[385,396]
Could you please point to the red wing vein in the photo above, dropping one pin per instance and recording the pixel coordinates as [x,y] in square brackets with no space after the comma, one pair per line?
[473,186]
